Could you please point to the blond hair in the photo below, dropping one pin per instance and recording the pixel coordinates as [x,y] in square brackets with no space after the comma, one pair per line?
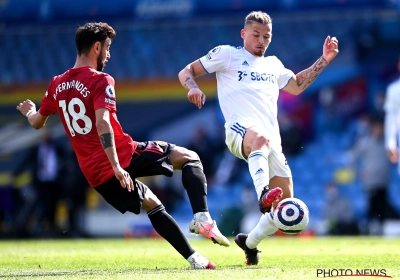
[257,16]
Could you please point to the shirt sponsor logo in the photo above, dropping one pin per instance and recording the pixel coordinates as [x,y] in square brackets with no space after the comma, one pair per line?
[241,75]
[256,76]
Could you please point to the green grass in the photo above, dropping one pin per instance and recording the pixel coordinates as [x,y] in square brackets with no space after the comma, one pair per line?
[281,258]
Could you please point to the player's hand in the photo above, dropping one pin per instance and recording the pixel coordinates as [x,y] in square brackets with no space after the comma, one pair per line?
[26,106]
[197,97]
[330,48]
[393,155]
[124,178]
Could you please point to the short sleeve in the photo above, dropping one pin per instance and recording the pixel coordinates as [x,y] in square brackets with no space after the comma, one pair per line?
[104,95]
[218,59]
[284,74]
[48,106]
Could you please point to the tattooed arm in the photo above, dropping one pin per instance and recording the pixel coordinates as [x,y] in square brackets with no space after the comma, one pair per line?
[189,82]
[187,76]
[305,78]
[106,135]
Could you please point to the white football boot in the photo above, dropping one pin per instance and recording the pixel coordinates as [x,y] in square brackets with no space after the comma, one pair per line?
[202,224]
[197,261]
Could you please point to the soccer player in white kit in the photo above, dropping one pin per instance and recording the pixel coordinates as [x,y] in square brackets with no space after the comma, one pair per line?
[248,88]
[392,120]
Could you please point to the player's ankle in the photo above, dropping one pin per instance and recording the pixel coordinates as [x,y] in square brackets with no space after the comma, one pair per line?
[203,216]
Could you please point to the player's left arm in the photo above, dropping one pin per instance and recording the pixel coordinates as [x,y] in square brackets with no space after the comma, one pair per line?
[299,82]
[35,119]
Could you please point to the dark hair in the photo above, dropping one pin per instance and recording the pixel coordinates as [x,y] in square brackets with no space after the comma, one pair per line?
[259,17]
[90,33]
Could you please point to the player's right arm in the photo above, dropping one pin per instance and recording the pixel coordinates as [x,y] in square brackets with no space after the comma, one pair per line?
[35,119]
[187,76]
[106,135]
[215,60]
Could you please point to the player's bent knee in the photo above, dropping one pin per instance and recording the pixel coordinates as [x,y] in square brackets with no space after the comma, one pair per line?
[180,155]
[191,155]
[150,201]
[262,140]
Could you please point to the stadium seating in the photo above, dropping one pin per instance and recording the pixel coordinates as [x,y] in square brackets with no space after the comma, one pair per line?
[143,50]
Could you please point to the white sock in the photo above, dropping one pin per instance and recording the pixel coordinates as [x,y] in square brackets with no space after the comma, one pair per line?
[203,217]
[265,227]
[259,170]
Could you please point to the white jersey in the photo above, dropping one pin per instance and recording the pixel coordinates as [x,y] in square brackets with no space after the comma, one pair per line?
[392,117]
[248,86]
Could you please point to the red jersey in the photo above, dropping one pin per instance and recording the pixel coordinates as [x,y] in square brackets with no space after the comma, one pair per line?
[76,95]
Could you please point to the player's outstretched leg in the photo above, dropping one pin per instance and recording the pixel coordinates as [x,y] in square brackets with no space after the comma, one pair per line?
[195,183]
[167,227]
[252,257]
[268,197]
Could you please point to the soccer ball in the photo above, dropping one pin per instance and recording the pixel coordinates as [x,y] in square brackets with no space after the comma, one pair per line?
[291,215]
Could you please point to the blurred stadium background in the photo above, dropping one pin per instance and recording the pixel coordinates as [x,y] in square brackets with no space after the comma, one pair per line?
[155,40]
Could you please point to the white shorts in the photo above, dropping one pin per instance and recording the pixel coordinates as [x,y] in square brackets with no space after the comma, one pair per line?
[277,162]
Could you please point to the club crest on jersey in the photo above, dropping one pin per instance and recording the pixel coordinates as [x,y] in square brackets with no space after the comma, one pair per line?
[213,52]
[110,91]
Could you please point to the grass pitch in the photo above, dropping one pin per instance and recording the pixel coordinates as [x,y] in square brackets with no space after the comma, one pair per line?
[281,258]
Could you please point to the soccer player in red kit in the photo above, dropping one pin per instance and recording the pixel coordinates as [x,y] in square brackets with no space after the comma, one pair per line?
[85,99]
